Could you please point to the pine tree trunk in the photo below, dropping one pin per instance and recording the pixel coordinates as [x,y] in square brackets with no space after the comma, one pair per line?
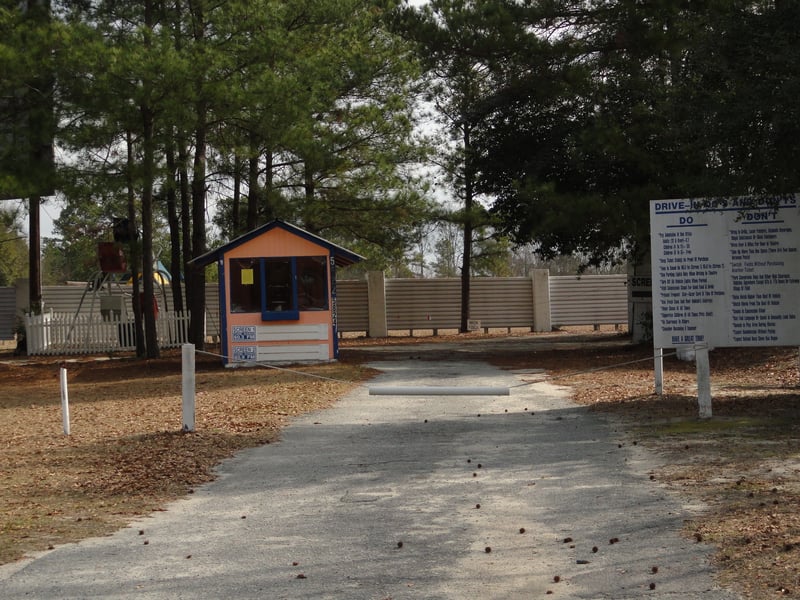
[466,262]
[175,266]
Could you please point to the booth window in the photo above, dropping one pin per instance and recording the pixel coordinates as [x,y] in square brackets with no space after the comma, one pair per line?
[279,288]
[312,283]
[280,299]
[245,285]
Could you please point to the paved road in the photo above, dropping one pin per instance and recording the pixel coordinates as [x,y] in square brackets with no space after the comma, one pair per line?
[386,497]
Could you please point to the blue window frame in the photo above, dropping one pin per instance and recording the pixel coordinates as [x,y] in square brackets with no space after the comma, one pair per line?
[279,289]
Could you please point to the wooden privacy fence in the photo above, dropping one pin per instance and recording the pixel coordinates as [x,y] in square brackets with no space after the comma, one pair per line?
[64,333]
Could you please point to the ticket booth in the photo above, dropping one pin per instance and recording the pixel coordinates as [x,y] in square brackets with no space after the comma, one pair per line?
[277,291]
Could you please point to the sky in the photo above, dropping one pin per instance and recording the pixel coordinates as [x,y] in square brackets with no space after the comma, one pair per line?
[50,210]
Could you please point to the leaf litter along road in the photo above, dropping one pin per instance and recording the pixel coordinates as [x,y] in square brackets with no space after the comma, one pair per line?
[126,457]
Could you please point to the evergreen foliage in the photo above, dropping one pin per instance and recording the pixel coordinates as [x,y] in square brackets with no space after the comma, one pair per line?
[13,249]
[255,109]
[562,120]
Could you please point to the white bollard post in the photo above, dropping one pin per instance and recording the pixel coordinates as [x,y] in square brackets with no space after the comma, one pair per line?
[703,380]
[658,365]
[187,386]
[64,400]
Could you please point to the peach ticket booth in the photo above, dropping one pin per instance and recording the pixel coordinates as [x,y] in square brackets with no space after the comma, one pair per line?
[277,290]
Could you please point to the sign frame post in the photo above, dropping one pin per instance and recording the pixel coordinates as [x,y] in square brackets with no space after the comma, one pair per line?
[725,273]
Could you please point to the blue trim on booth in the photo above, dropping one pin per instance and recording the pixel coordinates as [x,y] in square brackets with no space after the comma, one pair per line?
[262,269]
[279,315]
[334,308]
[338,256]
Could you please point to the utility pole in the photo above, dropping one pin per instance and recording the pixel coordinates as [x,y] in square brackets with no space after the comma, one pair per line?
[34,255]
[40,135]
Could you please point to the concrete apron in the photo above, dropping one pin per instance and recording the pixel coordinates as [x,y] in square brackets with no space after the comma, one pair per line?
[456,497]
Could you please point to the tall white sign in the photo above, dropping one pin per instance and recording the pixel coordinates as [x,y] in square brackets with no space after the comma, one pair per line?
[725,272]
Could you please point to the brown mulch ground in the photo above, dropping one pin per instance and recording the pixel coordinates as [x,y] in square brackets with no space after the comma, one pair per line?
[127,457]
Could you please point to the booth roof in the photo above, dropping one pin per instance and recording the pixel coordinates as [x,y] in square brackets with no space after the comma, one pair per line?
[341,256]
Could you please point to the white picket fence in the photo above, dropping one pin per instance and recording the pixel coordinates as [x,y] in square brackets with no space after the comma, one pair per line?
[64,333]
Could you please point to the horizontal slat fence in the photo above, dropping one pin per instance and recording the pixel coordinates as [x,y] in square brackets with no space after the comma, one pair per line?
[352,304]
[436,303]
[422,303]
[411,304]
[501,301]
[8,309]
[588,300]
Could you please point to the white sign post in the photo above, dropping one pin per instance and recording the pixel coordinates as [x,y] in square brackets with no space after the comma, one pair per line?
[726,272]
[62,376]
[187,387]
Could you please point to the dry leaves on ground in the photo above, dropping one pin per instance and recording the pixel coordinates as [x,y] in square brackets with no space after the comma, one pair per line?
[126,455]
